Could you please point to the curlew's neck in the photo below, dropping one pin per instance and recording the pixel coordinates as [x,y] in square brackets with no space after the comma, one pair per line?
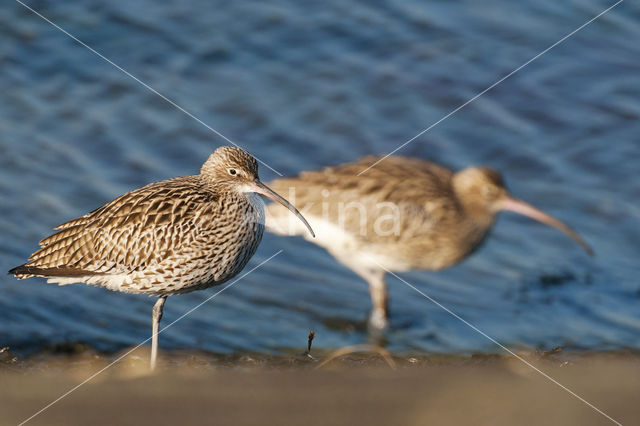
[477,217]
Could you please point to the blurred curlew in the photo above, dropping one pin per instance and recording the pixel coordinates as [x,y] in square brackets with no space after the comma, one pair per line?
[171,237]
[404,213]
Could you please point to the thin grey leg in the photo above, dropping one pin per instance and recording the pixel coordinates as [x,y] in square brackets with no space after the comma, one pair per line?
[374,276]
[379,317]
[157,316]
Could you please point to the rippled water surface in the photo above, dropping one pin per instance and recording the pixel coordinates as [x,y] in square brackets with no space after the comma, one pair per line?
[307,84]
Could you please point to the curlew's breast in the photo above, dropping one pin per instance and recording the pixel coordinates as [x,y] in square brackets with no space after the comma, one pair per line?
[218,250]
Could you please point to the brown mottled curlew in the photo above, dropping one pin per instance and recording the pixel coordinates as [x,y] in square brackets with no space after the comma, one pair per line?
[402,214]
[171,237]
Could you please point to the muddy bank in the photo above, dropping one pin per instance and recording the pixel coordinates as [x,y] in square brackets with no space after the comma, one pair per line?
[357,388]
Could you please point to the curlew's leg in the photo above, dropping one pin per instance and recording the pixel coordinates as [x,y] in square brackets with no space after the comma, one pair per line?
[157,316]
[374,276]
[379,316]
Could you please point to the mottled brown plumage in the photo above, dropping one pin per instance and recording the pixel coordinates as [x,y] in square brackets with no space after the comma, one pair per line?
[403,213]
[165,238]
[169,237]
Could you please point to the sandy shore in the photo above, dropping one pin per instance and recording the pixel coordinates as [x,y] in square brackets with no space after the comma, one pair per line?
[355,389]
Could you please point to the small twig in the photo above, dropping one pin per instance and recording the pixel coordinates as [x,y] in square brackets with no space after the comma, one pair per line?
[360,348]
[312,334]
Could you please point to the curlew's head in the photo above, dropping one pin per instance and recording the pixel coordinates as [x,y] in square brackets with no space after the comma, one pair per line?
[231,165]
[483,194]
[236,170]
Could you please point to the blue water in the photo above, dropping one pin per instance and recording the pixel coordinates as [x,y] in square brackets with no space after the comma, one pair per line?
[302,85]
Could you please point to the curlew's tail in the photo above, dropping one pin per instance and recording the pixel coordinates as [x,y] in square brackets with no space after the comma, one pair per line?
[27,271]
[20,272]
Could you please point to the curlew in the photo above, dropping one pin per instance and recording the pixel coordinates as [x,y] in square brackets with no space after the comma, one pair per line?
[404,213]
[170,237]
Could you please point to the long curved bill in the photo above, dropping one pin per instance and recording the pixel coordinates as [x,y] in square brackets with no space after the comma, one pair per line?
[518,206]
[262,189]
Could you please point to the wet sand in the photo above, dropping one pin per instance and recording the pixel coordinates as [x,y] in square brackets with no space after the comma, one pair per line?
[358,388]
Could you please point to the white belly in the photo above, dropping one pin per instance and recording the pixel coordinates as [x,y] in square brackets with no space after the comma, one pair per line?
[343,245]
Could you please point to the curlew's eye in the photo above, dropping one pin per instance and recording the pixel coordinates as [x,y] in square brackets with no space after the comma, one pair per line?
[233,172]
[489,192]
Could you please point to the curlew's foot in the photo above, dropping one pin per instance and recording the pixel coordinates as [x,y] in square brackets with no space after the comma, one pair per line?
[378,321]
